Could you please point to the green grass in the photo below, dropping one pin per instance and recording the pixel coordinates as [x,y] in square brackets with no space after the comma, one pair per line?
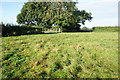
[62,55]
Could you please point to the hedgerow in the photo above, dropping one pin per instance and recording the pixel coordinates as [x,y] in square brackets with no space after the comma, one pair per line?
[14,30]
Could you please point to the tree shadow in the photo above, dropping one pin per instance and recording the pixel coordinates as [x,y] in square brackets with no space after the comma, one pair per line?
[79,31]
[50,33]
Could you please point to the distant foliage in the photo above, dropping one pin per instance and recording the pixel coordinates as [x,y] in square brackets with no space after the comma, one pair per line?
[85,28]
[105,29]
[14,30]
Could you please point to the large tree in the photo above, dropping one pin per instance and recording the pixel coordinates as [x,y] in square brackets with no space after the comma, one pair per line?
[64,15]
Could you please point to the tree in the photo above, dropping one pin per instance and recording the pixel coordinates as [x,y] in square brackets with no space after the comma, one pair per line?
[63,15]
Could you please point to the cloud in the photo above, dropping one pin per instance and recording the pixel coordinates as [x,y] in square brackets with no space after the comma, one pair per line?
[102,22]
[104,12]
[98,0]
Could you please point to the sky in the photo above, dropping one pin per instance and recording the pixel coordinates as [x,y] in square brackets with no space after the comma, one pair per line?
[104,12]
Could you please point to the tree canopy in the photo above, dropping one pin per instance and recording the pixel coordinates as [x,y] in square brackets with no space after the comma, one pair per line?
[64,15]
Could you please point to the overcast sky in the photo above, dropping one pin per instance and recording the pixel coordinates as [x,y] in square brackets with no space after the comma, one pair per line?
[104,12]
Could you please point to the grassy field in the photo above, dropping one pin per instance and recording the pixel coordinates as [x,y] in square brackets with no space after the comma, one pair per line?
[62,55]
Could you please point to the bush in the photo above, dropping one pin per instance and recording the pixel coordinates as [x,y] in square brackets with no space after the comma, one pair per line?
[14,30]
[105,29]
[85,28]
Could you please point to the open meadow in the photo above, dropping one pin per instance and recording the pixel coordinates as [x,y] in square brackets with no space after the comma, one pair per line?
[61,55]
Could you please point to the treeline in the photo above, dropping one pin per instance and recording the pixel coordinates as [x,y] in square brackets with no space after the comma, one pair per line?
[16,30]
[97,29]
[106,29]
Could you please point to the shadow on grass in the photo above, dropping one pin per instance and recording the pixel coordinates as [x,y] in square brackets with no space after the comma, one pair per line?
[31,34]
[79,31]
[50,33]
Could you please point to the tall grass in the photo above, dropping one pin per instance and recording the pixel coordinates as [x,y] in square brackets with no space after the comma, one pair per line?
[63,55]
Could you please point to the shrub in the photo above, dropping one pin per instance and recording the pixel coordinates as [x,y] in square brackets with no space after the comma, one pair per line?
[14,30]
[85,28]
